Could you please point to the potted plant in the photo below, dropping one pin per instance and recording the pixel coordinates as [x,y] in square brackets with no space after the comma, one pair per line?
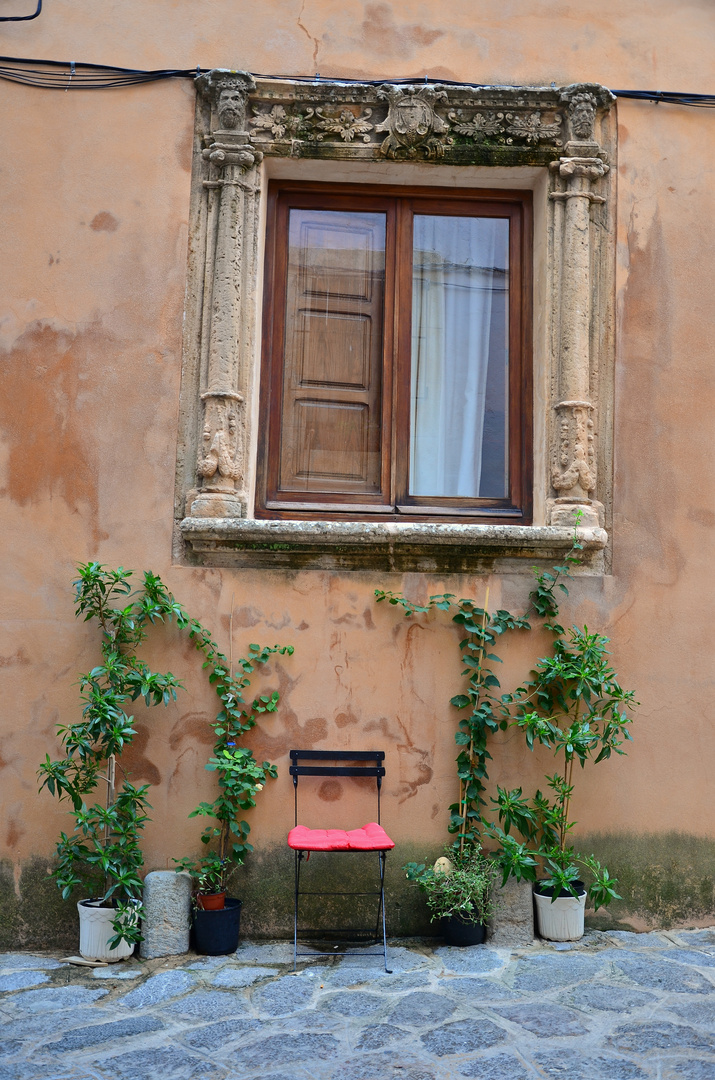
[458,893]
[575,707]
[209,873]
[240,779]
[105,840]
[215,918]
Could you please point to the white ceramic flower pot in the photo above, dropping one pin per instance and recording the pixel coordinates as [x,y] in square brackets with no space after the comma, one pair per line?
[561,920]
[95,933]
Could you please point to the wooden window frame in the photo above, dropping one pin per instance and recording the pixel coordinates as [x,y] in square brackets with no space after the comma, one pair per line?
[400,203]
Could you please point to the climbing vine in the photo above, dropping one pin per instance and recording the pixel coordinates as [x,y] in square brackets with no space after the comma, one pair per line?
[488,711]
[574,705]
[106,836]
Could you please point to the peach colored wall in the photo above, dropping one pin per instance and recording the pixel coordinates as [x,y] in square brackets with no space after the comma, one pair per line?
[95,197]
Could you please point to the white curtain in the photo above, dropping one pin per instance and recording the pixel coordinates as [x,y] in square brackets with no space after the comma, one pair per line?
[458,263]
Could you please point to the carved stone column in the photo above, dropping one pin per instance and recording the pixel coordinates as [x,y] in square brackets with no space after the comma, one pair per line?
[221,464]
[573,455]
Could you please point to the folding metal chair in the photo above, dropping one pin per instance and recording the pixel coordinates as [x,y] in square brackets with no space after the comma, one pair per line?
[372,837]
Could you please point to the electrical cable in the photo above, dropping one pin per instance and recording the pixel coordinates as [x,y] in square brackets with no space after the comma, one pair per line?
[22,18]
[75,75]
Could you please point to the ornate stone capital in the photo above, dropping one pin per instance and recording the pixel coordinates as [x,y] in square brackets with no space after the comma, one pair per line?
[238,152]
[228,144]
[590,168]
[582,101]
[227,92]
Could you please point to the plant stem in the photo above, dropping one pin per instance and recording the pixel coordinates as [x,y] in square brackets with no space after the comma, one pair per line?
[463,785]
[568,772]
[111,770]
[230,637]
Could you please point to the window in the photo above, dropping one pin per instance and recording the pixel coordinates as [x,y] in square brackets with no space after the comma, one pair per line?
[410,406]
[396,376]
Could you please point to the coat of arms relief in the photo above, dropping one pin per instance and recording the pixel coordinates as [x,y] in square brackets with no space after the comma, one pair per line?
[412,125]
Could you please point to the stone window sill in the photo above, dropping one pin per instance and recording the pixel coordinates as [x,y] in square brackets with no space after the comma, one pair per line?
[383,546]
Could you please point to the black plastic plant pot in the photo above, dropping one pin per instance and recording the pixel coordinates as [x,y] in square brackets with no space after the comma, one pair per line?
[457,931]
[216,932]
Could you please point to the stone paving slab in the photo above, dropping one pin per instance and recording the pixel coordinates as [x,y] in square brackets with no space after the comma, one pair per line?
[615,1006]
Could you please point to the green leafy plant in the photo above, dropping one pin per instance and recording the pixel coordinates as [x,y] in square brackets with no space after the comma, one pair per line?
[209,872]
[240,776]
[486,711]
[575,707]
[462,888]
[106,836]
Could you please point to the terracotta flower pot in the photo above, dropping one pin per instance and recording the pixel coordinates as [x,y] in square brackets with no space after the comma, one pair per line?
[211,901]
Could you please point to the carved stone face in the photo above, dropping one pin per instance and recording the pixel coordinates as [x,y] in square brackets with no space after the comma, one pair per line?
[583,116]
[229,108]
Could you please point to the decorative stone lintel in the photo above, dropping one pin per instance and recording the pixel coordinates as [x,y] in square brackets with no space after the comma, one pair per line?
[380,546]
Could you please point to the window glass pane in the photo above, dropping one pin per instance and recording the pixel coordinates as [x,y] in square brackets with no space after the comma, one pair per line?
[332,380]
[459,371]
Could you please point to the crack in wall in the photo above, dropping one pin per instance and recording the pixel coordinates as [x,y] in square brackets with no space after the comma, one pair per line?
[314,40]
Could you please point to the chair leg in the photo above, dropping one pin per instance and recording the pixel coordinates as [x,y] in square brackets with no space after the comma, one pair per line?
[298,857]
[380,901]
[383,861]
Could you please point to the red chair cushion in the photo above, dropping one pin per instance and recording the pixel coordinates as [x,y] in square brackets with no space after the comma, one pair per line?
[372,837]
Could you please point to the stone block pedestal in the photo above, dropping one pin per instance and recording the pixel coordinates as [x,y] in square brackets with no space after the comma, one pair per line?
[512,923]
[167,909]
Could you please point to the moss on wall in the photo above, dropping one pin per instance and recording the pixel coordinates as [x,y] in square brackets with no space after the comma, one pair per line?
[33,914]
[665,879]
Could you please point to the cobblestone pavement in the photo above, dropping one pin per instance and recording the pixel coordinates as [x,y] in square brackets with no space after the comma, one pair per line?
[616,1006]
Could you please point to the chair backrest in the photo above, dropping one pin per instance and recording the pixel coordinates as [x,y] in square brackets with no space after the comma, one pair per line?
[370,764]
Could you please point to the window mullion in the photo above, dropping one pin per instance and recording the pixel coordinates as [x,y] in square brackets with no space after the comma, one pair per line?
[402,352]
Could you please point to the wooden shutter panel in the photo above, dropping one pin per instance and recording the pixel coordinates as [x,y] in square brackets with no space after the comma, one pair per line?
[330,429]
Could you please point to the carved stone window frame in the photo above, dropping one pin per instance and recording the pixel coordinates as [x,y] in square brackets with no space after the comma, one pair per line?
[560,142]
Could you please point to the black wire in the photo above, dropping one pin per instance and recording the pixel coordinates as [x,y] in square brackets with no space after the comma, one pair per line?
[670,97]
[82,76]
[22,18]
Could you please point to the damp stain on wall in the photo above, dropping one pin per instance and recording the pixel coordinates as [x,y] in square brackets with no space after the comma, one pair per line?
[43,380]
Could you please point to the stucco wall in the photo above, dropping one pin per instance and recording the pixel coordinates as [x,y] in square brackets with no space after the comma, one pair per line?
[95,195]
